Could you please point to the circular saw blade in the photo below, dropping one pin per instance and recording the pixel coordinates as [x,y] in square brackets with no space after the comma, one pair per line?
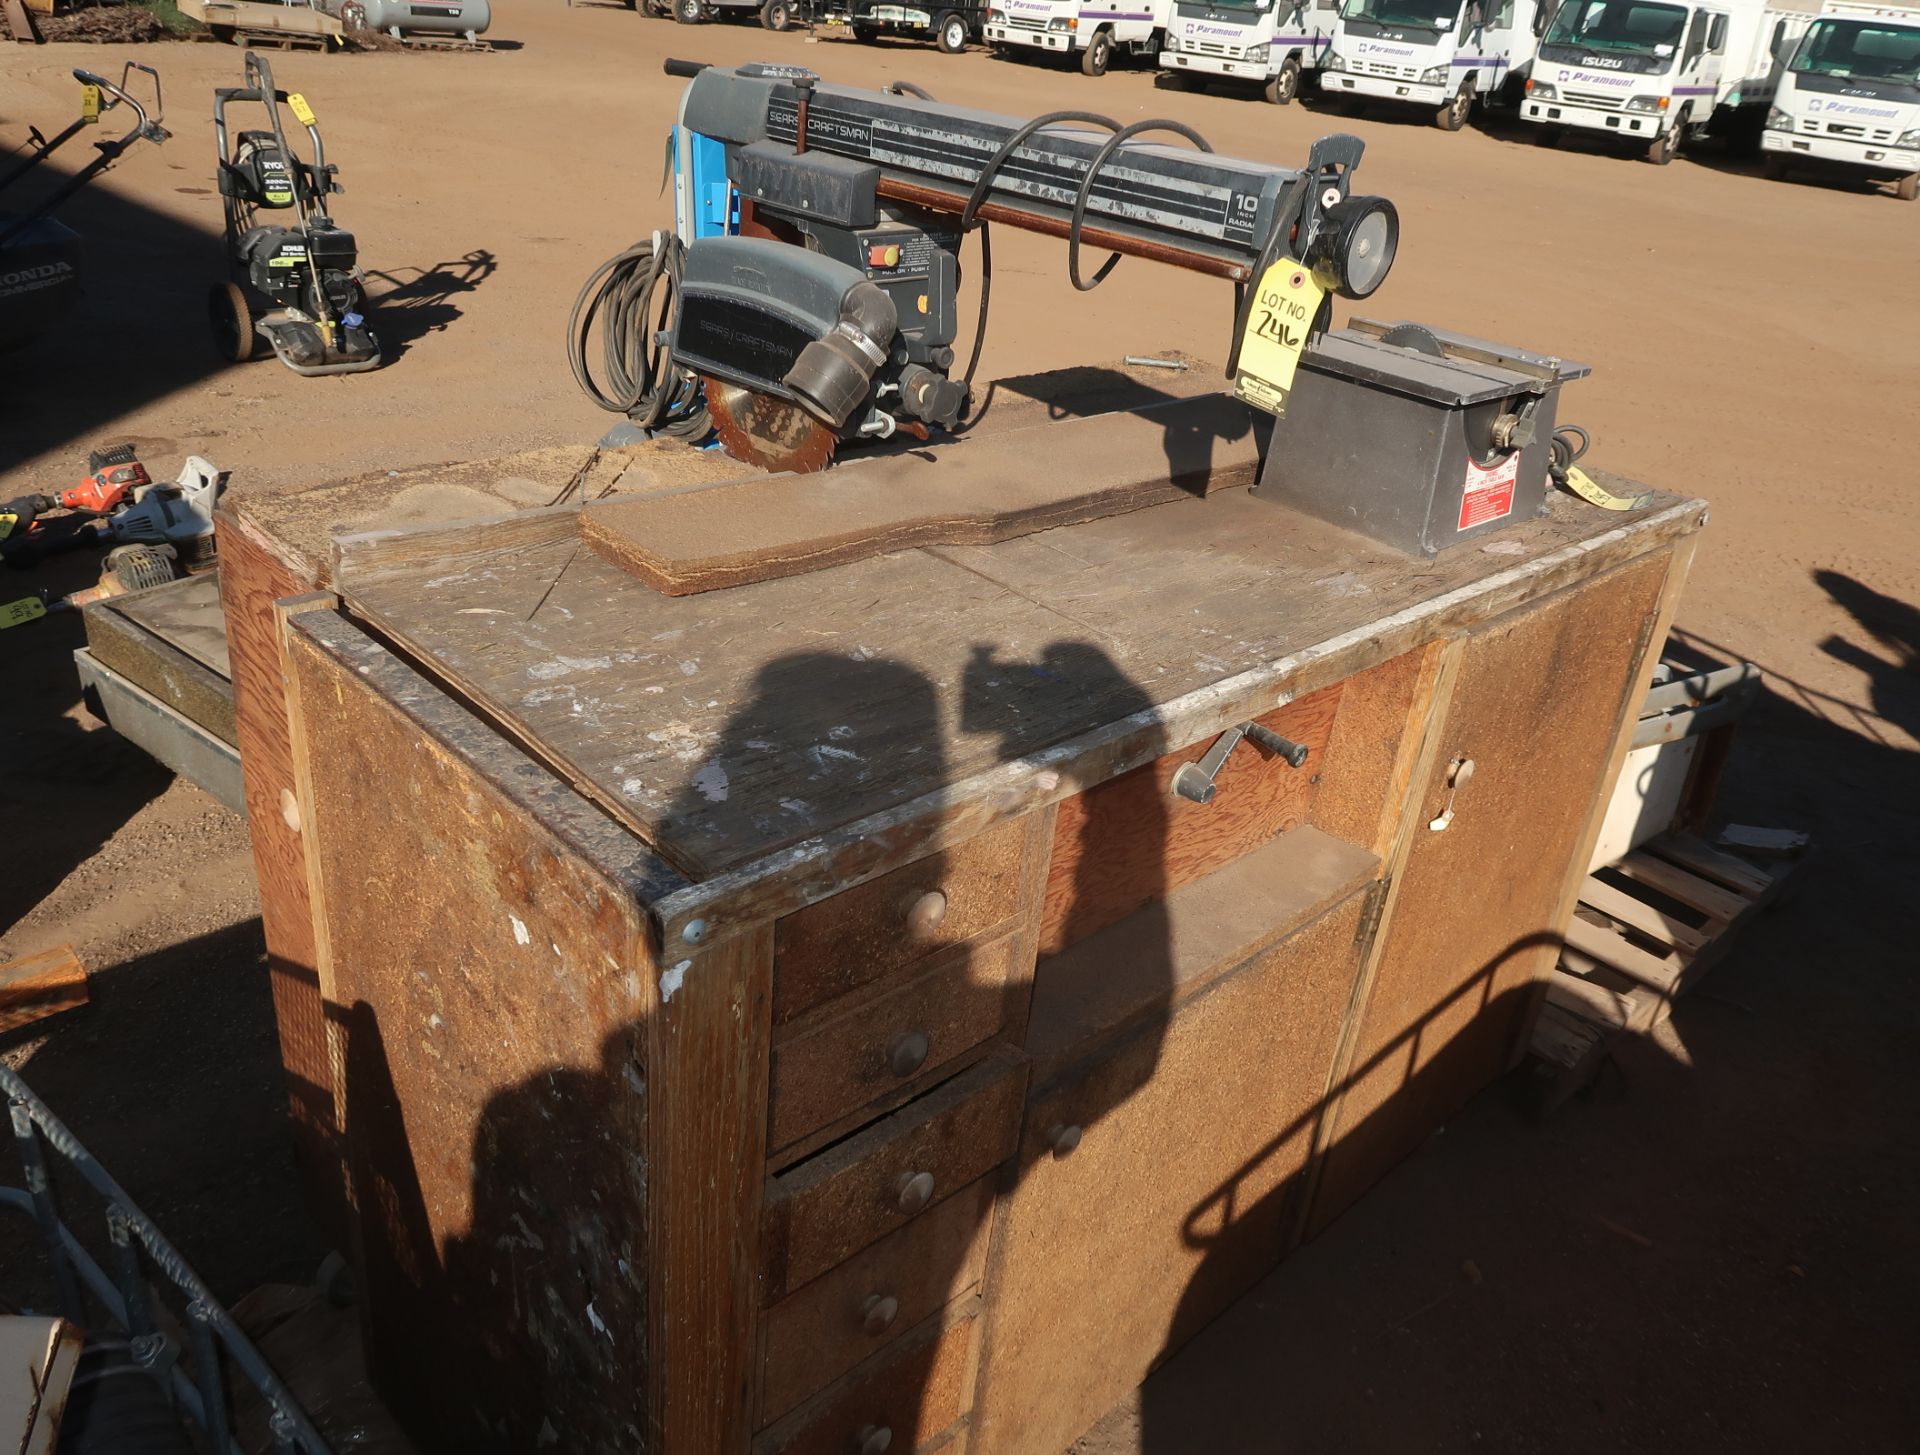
[775,434]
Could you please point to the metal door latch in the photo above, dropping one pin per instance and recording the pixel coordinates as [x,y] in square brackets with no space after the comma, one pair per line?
[1195,781]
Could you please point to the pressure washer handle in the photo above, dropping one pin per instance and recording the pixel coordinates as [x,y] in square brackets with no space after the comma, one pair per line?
[685,70]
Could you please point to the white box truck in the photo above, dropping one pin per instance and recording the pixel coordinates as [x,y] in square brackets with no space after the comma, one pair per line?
[1849,96]
[1441,55]
[1099,30]
[1271,44]
[1655,73]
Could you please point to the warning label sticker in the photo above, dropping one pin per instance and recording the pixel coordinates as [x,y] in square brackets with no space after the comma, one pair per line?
[1488,493]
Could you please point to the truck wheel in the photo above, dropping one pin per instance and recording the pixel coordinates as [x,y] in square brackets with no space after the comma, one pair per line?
[1549,136]
[865,33]
[1285,86]
[1664,148]
[232,322]
[776,15]
[1773,167]
[1907,189]
[689,12]
[1095,59]
[1453,115]
[950,33]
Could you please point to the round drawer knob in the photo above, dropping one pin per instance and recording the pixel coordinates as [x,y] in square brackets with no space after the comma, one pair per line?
[907,1052]
[926,912]
[878,1313]
[873,1440]
[1063,1138]
[916,1191]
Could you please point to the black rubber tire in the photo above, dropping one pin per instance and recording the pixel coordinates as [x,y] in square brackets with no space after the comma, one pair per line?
[689,12]
[1173,81]
[1773,167]
[1665,147]
[1907,189]
[950,33]
[231,319]
[1549,136]
[1454,114]
[865,33]
[1285,86]
[1098,55]
[777,15]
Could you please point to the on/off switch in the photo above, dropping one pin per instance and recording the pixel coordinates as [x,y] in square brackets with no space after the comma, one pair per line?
[883,255]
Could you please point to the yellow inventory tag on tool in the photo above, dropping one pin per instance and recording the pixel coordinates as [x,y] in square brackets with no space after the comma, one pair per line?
[1594,493]
[1284,306]
[27,608]
[89,103]
[302,113]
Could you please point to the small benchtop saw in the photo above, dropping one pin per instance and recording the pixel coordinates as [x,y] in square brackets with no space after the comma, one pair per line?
[809,293]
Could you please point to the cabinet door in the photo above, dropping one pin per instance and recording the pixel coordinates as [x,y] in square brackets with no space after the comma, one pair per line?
[1167,1206]
[1472,922]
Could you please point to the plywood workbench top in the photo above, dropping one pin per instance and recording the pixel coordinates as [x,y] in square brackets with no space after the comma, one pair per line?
[729,726]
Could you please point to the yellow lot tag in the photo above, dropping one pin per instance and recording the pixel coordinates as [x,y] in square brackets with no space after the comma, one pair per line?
[89,103]
[302,113]
[27,608]
[7,522]
[1284,306]
[1594,493]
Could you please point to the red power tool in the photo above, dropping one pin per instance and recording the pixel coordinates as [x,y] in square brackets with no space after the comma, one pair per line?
[115,474]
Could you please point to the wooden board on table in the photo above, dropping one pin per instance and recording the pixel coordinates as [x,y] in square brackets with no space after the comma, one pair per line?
[967,492]
[914,699]
[34,987]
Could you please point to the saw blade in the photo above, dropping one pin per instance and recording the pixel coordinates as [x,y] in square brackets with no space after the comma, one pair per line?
[775,434]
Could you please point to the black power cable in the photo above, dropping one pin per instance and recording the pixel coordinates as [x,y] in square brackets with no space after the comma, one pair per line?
[642,381]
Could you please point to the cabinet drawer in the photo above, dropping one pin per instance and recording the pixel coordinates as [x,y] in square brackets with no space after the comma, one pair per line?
[829,1207]
[867,1303]
[840,944]
[899,1404]
[888,1041]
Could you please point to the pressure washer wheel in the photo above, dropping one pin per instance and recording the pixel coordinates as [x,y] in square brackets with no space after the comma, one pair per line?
[1453,115]
[776,15]
[1285,86]
[353,16]
[951,34]
[232,321]
[1095,59]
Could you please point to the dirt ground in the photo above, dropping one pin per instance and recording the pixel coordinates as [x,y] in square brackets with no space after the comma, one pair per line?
[1712,1250]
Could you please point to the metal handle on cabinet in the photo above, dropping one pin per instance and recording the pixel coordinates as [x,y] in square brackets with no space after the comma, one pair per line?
[926,913]
[873,1440]
[907,1052]
[1459,775]
[916,1191]
[1062,1138]
[1195,781]
[878,1313]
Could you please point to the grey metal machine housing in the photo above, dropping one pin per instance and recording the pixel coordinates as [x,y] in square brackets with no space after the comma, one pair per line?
[1416,437]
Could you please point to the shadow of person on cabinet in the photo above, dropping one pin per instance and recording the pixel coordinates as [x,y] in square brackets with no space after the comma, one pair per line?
[905,1028]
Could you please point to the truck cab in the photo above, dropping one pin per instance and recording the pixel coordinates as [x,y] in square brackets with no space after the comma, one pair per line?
[1650,72]
[1849,97]
[1442,55]
[1271,44]
[1097,30]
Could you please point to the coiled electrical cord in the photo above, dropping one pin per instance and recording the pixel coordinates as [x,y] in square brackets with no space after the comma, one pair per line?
[642,381]
[1569,443]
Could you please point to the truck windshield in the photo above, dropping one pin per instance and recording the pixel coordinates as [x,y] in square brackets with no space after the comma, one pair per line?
[1624,27]
[1861,50]
[1430,15]
[1244,7]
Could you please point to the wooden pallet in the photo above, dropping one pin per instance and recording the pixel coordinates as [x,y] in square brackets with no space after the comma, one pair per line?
[1647,929]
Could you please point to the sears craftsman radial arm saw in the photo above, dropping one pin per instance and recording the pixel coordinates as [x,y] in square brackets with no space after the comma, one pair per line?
[809,296]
